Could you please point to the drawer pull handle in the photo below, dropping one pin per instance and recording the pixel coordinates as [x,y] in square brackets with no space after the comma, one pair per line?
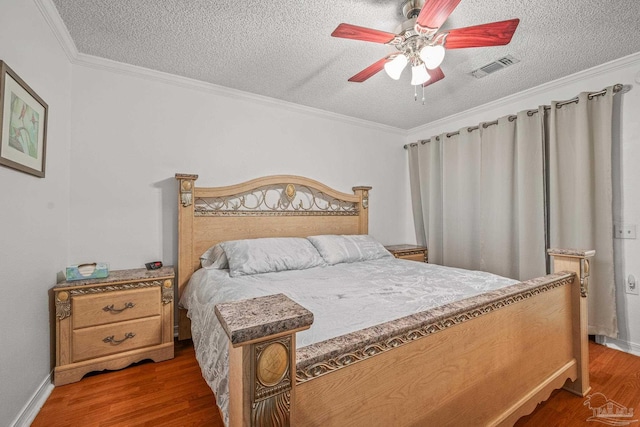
[110,309]
[114,341]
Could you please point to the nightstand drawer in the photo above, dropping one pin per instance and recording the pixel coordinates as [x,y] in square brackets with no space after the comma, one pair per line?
[112,322]
[97,341]
[100,309]
[411,257]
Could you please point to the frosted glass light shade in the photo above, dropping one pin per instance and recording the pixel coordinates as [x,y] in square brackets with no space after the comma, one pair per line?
[432,56]
[419,75]
[395,66]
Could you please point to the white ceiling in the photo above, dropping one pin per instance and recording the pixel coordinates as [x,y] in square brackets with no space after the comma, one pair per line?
[283,48]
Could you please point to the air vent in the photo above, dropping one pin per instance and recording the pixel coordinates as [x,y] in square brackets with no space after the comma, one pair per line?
[494,66]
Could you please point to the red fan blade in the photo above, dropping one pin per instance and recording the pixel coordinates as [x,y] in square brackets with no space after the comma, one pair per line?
[436,75]
[435,12]
[370,70]
[493,34]
[348,31]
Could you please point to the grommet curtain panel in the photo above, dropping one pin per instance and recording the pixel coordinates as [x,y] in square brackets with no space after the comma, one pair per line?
[496,196]
[482,207]
[580,195]
[512,190]
[461,173]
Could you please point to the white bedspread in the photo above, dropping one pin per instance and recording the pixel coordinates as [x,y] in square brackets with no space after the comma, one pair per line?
[343,298]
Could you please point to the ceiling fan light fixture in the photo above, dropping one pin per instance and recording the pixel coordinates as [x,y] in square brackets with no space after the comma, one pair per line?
[419,75]
[395,67]
[432,56]
[421,42]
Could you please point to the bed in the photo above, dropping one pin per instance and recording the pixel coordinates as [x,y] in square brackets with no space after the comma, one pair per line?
[487,359]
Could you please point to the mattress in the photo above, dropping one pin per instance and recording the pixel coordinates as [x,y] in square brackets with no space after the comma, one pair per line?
[343,298]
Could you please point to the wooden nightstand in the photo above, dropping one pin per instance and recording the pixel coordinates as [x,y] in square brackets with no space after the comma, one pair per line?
[113,322]
[411,252]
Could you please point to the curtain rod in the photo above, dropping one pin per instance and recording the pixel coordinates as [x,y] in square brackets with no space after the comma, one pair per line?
[616,88]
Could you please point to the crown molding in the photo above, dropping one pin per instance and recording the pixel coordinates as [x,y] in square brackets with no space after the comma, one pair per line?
[60,31]
[51,15]
[96,62]
[601,69]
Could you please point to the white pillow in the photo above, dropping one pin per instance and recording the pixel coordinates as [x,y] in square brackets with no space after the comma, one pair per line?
[214,257]
[348,248]
[254,256]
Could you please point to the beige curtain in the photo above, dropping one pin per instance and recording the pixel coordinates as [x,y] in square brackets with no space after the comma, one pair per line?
[512,212]
[419,213]
[425,168]
[580,195]
[461,166]
[482,197]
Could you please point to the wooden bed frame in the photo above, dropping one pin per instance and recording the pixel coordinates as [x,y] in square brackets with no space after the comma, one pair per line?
[489,364]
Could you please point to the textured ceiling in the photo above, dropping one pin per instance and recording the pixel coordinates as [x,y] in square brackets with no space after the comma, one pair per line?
[283,48]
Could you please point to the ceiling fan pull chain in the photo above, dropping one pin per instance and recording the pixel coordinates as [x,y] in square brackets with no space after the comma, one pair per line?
[415,93]
[422,95]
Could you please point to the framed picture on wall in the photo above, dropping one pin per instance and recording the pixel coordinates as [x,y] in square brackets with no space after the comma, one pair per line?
[23,125]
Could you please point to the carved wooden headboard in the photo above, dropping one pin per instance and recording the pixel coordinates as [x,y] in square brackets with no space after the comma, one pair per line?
[273,206]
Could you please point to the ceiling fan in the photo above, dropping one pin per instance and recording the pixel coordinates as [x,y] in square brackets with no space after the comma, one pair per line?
[420,43]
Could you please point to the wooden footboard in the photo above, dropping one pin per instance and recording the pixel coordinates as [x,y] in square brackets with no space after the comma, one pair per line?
[487,364]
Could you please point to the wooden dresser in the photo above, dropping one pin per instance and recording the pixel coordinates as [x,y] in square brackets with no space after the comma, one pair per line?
[410,252]
[112,322]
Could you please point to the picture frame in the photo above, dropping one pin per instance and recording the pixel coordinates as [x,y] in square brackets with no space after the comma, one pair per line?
[23,125]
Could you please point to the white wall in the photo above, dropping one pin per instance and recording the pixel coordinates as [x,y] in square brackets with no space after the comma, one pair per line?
[116,138]
[34,213]
[625,71]
[131,135]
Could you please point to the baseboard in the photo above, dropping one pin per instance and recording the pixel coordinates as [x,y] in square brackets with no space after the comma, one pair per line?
[627,347]
[32,407]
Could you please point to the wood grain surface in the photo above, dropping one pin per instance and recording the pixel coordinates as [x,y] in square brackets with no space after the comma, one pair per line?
[173,393]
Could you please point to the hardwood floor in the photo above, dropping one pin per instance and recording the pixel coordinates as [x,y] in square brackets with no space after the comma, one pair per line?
[170,393]
[613,373]
[173,393]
